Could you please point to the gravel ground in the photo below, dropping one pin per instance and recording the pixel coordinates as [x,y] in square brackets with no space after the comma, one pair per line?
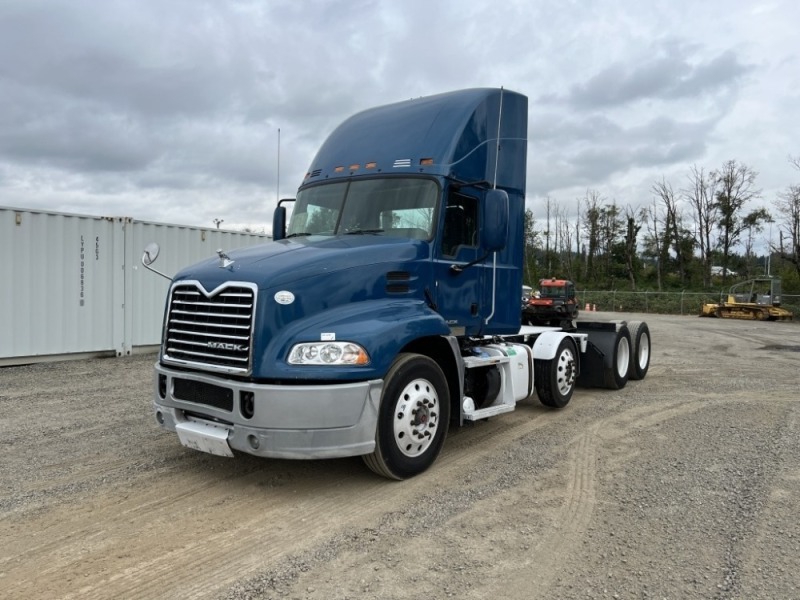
[683,485]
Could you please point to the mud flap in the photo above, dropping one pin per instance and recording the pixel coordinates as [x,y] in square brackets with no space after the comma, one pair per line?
[604,354]
[592,373]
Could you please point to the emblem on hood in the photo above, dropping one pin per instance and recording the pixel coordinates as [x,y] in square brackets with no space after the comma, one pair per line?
[284,297]
[224,260]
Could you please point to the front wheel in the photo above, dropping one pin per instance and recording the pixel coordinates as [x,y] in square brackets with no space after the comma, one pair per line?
[413,418]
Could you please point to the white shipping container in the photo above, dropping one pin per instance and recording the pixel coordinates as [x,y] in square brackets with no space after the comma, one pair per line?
[180,246]
[74,285]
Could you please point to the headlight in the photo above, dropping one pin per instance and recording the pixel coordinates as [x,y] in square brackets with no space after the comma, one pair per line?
[328,353]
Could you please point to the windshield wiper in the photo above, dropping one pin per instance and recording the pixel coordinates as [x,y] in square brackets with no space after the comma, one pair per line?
[298,234]
[363,231]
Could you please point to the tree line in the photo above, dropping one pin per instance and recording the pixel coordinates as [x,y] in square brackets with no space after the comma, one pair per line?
[701,235]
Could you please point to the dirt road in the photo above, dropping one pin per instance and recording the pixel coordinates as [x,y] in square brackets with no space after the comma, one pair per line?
[684,485]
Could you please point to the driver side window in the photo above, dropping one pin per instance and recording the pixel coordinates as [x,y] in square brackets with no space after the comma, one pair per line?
[460,223]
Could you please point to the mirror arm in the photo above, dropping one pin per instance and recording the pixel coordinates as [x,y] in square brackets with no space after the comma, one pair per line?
[460,268]
[149,268]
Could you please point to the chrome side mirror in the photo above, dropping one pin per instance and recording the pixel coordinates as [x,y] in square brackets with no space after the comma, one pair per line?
[150,254]
[149,257]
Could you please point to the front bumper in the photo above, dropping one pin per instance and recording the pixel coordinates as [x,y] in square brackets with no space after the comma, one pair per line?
[275,421]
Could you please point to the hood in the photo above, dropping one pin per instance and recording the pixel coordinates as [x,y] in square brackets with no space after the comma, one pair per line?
[289,261]
[333,283]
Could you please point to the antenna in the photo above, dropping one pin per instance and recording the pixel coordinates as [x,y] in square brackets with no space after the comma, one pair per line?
[278,184]
[494,187]
[497,141]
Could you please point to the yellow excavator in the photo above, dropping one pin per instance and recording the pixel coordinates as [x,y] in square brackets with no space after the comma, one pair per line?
[757,299]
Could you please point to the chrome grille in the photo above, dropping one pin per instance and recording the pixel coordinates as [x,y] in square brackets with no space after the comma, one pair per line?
[213,331]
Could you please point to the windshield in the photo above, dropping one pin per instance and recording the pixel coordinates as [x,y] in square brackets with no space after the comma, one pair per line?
[394,206]
[553,291]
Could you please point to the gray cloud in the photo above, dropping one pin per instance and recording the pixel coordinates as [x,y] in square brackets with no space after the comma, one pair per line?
[166,111]
[592,150]
[673,73]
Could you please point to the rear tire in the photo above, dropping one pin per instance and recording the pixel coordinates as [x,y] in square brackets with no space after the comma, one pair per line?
[412,419]
[640,355]
[555,379]
[618,363]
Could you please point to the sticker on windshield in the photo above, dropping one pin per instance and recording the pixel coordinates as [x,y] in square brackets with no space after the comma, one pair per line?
[284,297]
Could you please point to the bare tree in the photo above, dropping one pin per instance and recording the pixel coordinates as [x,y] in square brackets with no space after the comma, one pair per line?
[654,220]
[788,205]
[735,187]
[673,229]
[564,240]
[633,227]
[610,232]
[752,225]
[701,197]
[591,226]
[533,244]
[548,258]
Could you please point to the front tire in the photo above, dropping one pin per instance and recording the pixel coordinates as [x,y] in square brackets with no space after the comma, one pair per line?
[412,420]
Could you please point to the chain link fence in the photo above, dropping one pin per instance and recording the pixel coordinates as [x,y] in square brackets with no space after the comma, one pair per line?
[668,303]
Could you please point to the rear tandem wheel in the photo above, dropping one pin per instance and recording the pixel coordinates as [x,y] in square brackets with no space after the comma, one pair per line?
[640,351]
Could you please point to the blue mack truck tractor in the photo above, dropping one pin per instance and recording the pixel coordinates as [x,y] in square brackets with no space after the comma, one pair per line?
[387,309]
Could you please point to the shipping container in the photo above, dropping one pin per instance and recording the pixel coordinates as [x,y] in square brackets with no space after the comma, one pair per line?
[74,285]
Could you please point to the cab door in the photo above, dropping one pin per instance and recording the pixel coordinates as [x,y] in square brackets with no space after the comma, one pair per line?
[460,293]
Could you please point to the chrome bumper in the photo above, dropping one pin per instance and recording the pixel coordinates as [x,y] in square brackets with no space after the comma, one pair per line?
[275,421]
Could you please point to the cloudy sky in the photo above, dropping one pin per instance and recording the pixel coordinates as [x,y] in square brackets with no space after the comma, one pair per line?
[169,110]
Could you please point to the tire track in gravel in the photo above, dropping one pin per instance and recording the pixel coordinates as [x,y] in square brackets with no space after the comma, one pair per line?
[575,513]
[246,535]
[133,542]
[201,531]
[579,496]
[191,533]
[554,542]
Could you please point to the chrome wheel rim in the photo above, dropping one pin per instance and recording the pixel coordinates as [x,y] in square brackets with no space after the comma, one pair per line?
[416,418]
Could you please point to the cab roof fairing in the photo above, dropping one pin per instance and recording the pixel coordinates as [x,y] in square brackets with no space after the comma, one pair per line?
[457,130]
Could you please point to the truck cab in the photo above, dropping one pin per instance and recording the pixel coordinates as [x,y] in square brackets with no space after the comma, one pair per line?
[385,309]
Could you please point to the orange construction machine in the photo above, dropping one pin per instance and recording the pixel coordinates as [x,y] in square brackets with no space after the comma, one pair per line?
[553,304]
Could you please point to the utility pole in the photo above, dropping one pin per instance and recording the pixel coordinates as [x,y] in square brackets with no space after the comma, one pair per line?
[547,240]
[278,177]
